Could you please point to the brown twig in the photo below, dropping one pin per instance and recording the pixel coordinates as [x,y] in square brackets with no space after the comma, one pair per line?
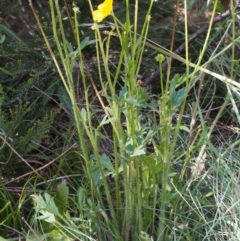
[156,75]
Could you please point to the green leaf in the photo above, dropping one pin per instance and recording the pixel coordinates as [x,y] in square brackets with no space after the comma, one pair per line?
[138,151]
[62,195]
[84,114]
[56,235]
[12,35]
[34,237]
[184,128]
[85,43]
[106,120]
[145,237]
[2,239]
[45,205]
[2,38]
[220,7]
[50,204]
[106,162]
[152,165]
[81,196]
[123,93]
[177,97]
[47,216]
[66,102]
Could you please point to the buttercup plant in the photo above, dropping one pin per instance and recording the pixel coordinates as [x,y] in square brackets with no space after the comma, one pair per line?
[127,206]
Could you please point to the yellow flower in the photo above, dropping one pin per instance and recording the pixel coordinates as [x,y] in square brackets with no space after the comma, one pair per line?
[104,9]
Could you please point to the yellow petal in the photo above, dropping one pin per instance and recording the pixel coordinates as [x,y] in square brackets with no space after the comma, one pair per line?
[98,16]
[104,9]
[102,6]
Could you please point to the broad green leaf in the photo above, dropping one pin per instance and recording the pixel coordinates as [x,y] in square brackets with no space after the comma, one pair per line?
[46,204]
[106,120]
[2,38]
[62,195]
[56,235]
[81,195]
[152,165]
[66,102]
[34,237]
[2,239]
[145,237]
[139,150]
[184,128]
[51,206]
[106,162]
[177,97]
[84,114]
[47,216]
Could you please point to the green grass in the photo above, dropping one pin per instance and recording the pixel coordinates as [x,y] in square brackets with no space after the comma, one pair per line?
[112,160]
